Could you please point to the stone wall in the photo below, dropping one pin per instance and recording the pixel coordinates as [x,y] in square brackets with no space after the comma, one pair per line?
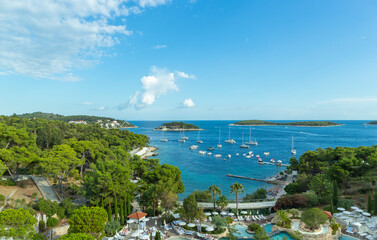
[58,232]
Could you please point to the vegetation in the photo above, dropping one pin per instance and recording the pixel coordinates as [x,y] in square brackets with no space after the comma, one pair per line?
[52,222]
[190,209]
[253,227]
[283,219]
[372,123]
[89,220]
[174,126]
[77,236]
[313,218]
[88,119]
[17,223]
[215,190]
[236,188]
[301,124]
[260,193]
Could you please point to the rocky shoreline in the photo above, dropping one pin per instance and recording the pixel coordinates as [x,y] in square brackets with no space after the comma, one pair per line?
[177,130]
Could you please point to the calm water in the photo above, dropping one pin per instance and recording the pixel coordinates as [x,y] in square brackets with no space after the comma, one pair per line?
[199,172]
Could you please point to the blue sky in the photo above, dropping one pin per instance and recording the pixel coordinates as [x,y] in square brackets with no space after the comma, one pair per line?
[178,59]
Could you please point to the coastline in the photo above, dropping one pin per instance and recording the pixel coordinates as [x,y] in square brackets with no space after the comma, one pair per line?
[178,130]
[144,152]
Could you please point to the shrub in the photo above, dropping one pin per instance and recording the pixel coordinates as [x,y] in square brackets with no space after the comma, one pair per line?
[39,236]
[334,226]
[111,227]
[219,222]
[296,200]
[295,213]
[7,183]
[34,195]
[253,227]
[295,235]
[42,226]
[49,207]
[344,203]
[77,236]
[313,199]
[68,206]
[229,220]
[52,222]
[313,218]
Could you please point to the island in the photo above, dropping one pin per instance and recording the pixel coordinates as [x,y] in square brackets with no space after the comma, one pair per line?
[297,124]
[178,126]
[371,123]
[104,122]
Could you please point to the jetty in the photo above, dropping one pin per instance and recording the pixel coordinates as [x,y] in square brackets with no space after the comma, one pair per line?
[276,182]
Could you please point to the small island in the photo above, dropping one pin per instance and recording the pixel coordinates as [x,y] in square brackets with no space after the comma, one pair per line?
[297,124]
[371,123]
[177,126]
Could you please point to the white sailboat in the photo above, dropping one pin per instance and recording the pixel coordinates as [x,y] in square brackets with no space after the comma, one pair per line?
[229,140]
[251,142]
[293,151]
[219,145]
[198,138]
[181,139]
[163,139]
[243,145]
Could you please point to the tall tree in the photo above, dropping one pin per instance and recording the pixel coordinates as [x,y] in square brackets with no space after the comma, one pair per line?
[88,220]
[116,209]
[369,208]
[121,211]
[335,194]
[215,190]
[222,202]
[375,203]
[236,188]
[109,213]
[17,223]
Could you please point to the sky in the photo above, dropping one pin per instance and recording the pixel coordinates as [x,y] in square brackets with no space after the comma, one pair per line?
[190,59]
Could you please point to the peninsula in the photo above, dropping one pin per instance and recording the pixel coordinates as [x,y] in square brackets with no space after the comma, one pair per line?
[177,126]
[297,124]
[104,122]
[371,123]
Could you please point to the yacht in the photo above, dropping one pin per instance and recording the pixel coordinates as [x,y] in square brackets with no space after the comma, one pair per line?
[266,153]
[248,156]
[193,147]
[209,153]
[181,140]
[237,154]
[272,160]
[243,145]
[210,149]
[260,161]
[217,155]
[219,145]
[163,140]
[229,140]
[257,156]
[229,156]
[198,138]
[293,151]
[251,142]
[278,162]
[202,152]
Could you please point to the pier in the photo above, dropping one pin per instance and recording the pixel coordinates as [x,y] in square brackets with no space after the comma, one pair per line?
[276,182]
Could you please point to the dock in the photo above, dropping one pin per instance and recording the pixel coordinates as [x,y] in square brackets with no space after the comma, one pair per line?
[276,182]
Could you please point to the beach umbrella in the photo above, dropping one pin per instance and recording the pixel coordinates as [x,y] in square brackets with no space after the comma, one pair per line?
[144,237]
[223,213]
[243,212]
[176,215]
[210,219]
[341,209]
[209,229]
[182,223]
[130,221]
[354,208]
[208,214]
[356,224]
[359,210]
[231,214]
[135,234]
[190,225]
[366,214]
[347,212]
[155,222]
[145,220]
[215,213]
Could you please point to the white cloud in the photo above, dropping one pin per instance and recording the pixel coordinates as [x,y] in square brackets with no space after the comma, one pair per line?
[151,3]
[160,46]
[52,38]
[158,83]
[86,103]
[188,103]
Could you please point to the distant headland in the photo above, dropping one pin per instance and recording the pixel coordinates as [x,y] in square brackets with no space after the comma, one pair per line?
[104,122]
[371,123]
[177,127]
[296,124]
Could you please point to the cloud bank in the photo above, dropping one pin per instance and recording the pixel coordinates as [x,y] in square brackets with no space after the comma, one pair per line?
[160,82]
[51,38]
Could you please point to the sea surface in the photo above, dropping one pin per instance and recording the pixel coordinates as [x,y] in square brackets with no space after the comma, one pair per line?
[199,172]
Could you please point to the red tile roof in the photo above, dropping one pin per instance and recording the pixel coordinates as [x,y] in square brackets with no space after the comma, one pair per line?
[328,214]
[137,215]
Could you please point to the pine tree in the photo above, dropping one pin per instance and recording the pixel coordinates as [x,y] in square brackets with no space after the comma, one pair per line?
[116,209]
[335,194]
[121,213]
[151,236]
[102,204]
[369,208]
[109,214]
[375,203]
[129,205]
[332,207]
[158,236]
[125,208]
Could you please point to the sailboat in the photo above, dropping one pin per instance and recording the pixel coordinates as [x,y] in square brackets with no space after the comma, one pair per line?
[229,140]
[198,138]
[293,151]
[181,139]
[163,139]
[219,145]
[243,145]
[250,142]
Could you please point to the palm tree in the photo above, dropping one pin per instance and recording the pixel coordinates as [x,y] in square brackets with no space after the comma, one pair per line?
[215,190]
[236,188]
[222,202]
[284,220]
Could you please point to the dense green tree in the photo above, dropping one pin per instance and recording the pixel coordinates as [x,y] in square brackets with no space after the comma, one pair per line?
[260,193]
[17,223]
[369,206]
[39,236]
[261,234]
[121,211]
[236,188]
[76,236]
[322,186]
[335,196]
[88,220]
[116,209]
[109,213]
[190,209]
[111,227]
[313,218]
[222,202]
[158,236]
[167,176]
[169,200]
[215,190]
[283,219]
[375,203]
[219,222]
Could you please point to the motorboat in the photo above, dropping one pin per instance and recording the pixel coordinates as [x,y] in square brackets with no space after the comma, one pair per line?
[210,149]
[272,160]
[163,140]
[202,152]
[193,147]
[209,153]
[229,156]
[217,155]
[266,153]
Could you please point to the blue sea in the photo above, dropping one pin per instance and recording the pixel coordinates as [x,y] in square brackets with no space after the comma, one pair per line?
[199,172]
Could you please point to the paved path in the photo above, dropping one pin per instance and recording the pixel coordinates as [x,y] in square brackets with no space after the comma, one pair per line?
[249,205]
[6,199]
[45,188]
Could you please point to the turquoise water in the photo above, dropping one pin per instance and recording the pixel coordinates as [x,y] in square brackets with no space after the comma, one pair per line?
[268,227]
[281,235]
[242,230]
[199,172]
[345,237]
